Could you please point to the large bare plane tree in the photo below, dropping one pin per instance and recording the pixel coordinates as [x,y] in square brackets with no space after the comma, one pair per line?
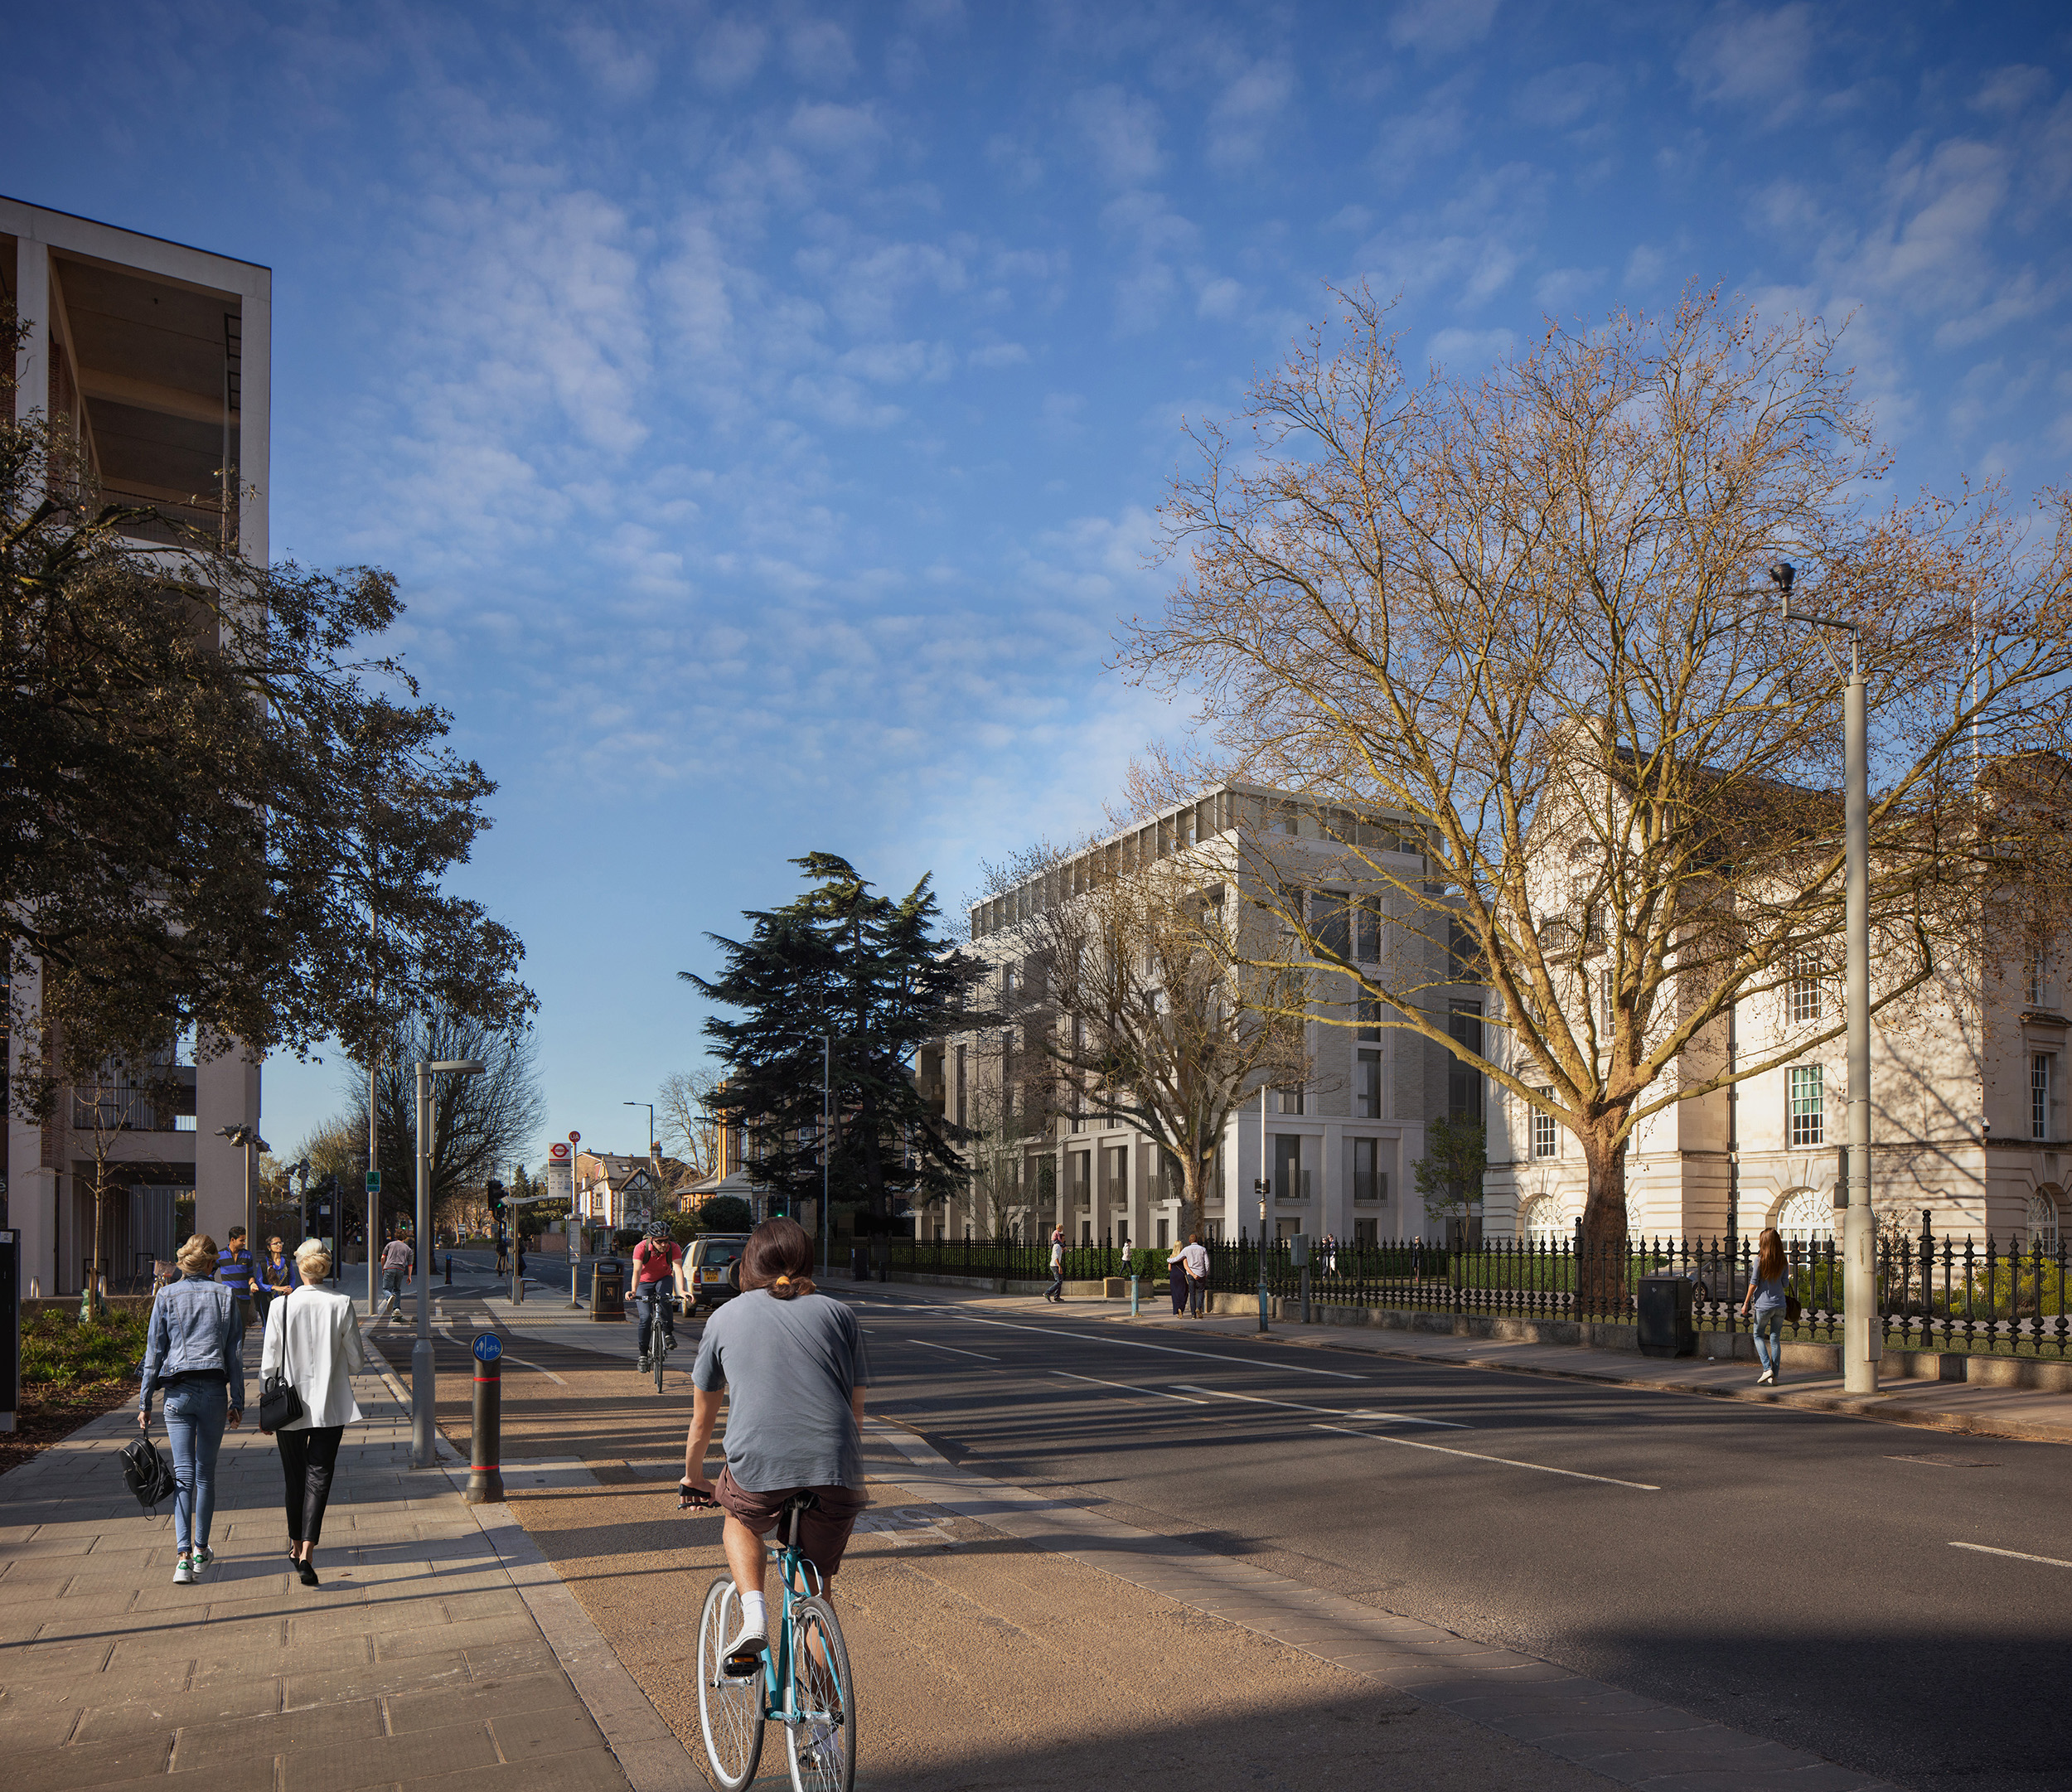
[1150,995]
[1531,611]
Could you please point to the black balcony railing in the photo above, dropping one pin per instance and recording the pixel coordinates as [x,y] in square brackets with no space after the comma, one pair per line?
[1952,1293]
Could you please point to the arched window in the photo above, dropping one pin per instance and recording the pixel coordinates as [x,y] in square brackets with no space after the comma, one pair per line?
[2043,1220]
[1805,1213]
[1540,1221]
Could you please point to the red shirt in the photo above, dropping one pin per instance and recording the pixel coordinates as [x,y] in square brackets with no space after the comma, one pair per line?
[653,1260]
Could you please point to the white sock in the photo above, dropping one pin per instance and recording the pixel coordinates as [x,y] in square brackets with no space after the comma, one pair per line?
[753,1619]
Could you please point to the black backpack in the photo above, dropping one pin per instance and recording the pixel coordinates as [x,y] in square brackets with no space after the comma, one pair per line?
[149,1474]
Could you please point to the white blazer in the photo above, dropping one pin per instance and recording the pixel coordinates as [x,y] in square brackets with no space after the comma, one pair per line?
[317,1334]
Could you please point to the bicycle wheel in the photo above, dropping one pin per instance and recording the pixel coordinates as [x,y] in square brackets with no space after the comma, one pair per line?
[658,1342]
[729,1711]
[821,1732]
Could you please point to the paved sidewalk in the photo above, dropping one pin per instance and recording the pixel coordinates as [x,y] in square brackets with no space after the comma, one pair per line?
[417,1662]
[1939,1406]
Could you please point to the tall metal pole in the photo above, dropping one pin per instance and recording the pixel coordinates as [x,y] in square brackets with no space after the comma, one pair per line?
[423,1378]
[1265,1186]
[373,1169]
[1862,1338]
[827,1141]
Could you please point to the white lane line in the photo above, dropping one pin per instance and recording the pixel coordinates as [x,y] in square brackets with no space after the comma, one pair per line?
[447,1331]
[1135,1344]
[1129,1388]
[2019,1554]
[953,1350]
[1259,1400]
[1476,1455]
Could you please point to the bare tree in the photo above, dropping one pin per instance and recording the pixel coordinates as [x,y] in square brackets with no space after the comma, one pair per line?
[1150,995]
[687,1119]
[1531,612]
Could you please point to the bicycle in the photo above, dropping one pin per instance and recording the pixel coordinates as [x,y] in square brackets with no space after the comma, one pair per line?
[804,1683]
[662,1336]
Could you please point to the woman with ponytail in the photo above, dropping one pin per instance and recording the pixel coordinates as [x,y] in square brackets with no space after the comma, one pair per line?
[790,1363]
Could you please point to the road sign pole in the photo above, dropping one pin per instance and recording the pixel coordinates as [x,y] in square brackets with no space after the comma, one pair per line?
[485,1470]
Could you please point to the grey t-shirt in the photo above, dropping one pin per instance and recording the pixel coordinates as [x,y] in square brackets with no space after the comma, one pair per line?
[789,1368]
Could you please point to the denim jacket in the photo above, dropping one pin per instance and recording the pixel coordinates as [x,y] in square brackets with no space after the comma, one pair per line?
[194,1325]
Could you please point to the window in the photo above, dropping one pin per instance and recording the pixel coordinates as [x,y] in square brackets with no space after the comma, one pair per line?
[1081,1172]
[1164,1229]
[960,1105]
[1291,1099]
[1368,946]
[1367,1231]
[1290,1177]
[1805,995]
[2039,992]
[1546,1131]
[1464,1081]
[1370,1017]
[1607,1001]
[1366,1087]
[1464,953]
[1805,1113]
[2039,1068]
[1331,922]
[1370,1181]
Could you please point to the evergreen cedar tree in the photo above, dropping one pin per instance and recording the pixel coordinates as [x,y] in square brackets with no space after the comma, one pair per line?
[874,972]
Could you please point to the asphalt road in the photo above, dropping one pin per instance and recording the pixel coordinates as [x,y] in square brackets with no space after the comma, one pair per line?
[1791,1574]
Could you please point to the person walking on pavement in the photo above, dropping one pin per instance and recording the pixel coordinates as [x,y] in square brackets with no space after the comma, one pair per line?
[1195,1255]
[236,1270]
[312,1341]
[1056,1291]
[1767,1292]
[195,1351]
[792,1366]
[1176,1278]
[658,1278]
[398,1259]
[276,1276]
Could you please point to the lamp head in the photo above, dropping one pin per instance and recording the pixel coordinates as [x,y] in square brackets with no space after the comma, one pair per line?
[1781,576]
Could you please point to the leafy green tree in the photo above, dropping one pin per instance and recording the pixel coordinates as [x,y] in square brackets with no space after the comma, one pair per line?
[1449,1174]
[874,972]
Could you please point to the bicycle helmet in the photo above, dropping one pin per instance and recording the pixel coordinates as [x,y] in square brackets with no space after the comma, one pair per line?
[658,1230]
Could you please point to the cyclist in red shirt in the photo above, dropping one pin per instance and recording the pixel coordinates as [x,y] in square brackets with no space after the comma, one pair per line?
[658,1278]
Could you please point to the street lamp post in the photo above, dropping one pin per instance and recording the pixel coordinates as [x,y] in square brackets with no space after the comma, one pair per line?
[423,1374]
[1862,1339]
[246,1139]
[1263,1188]
[650,1107]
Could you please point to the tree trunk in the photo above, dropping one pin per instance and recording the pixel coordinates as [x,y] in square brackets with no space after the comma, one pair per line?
[93,1264]
[1603,1285]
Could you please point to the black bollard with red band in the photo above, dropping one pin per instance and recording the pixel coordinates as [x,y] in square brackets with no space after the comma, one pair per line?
[485,1471]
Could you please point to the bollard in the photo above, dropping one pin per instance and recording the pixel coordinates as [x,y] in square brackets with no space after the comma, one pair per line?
[449,1269]
[1133,1296]
[485,1471]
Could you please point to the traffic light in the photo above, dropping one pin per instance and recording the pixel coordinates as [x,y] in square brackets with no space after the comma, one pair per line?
[495,1191]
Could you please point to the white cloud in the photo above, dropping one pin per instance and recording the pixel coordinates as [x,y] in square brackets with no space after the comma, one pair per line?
[1439,27]
[1245,112]
[617,70]
[852,133]
[818,52]
[1643,266]
[1744,55]
[1558,98]
[1121,132]
[729,54]
[999,355]
[2014,89]
[1563,288]
[1465,350]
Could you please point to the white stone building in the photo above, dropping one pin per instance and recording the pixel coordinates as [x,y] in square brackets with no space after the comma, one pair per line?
[158,357]
[1338,1149]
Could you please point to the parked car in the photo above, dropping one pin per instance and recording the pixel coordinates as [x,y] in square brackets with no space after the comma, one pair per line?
[710,1268]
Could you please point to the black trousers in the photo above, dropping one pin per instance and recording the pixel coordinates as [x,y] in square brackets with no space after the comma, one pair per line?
[307,1458]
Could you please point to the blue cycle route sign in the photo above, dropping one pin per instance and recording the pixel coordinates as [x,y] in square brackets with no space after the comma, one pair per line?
[488,1347]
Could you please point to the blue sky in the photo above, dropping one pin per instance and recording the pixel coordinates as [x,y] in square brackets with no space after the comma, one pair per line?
[766,409]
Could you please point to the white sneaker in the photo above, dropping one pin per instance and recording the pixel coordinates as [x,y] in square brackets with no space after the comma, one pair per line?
[183,1572]
[744,1654]
[1766,1377]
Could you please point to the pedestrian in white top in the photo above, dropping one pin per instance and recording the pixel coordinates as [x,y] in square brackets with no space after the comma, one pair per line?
[1056,1291]
[1194,1257]
[313,1342]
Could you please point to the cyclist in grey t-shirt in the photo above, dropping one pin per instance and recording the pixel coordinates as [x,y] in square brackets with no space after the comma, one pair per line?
[792,1366]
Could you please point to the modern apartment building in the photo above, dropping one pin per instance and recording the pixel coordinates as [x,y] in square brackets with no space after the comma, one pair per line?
[1338,1148]
[158,356]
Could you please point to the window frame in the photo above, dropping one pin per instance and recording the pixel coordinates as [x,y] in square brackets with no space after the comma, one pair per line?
[1805,1115]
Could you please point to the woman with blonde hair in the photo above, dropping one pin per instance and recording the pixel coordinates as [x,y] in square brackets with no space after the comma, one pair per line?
[1767,1292]
[195,1351]
[312,1343]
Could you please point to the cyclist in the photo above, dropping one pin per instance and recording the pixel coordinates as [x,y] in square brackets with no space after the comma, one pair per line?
[658,1278]
[792,1366]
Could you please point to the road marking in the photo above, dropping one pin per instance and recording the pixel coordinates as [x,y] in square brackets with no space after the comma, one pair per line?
[1129,1388]
[447,1330]
[1258,1400]
[1135,1343]
[1476,1455]
[953,1350]
[2019,1554]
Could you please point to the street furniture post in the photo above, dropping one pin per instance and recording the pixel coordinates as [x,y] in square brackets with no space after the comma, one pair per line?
[485,1469]
[423,1369]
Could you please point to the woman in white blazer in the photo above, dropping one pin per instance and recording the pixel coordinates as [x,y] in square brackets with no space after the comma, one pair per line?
[312,1341]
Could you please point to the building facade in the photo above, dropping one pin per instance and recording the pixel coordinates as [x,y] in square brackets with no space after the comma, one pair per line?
[157,357]
[1336,1149]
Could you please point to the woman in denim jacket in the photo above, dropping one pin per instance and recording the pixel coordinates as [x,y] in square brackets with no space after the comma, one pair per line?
[195,1352]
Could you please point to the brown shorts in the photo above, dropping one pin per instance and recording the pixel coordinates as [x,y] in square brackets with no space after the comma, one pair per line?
[823,1532]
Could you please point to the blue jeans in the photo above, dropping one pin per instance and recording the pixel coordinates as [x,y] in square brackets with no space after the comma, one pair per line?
[195,1415]
[1769,1337]
[392,1287]
[648,1300]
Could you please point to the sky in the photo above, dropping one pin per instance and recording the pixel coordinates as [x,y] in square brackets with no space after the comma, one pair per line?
[766,409]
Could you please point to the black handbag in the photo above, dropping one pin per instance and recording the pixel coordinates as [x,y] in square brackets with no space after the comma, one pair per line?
[149,1474]
[279,1404]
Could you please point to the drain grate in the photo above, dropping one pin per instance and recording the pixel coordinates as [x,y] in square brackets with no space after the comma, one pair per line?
[1939,1461]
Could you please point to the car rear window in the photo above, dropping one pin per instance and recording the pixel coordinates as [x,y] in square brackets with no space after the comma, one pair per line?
[716,1254]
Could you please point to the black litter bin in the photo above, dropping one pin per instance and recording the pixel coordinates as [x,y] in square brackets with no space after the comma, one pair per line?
[608,1289]
[1664,1306]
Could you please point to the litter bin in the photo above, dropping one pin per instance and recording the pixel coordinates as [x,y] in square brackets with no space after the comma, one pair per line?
[1664,1307]
[608,1289]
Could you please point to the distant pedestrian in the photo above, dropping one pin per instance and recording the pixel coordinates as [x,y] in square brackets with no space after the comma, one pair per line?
[1056,1291]
[1767,1293]
[1176,1279]
[276,1276]
[312,1341]
[503,1255]
[236,1270]
[195,1351]
[398,1259]
[1195,1257]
